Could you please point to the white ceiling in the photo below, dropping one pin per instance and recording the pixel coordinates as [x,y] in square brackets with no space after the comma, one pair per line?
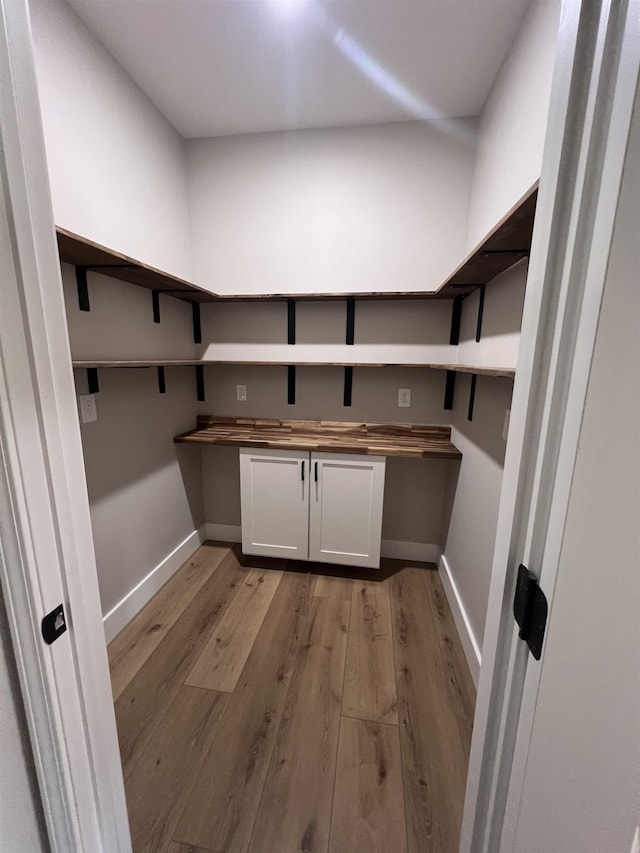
[216,67]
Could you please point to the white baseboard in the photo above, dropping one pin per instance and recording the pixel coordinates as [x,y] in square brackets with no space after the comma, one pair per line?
[467,637]
[224,532]
[421,551]
[115,620]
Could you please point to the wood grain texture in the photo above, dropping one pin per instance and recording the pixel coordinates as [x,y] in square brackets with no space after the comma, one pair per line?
[326,586]
[270,761]
[303,764]
[460,686]
[370,679]
[412,440]
[224,801]
[159,786]
[138,639]
[433,754]
[139,707]
[222,659]
[368,806]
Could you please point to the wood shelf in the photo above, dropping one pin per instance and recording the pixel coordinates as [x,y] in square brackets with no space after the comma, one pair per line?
[506,245]
[406,440]
[501,372]
[81,252]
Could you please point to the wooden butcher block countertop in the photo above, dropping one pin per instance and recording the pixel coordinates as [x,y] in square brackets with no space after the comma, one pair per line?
[411,440]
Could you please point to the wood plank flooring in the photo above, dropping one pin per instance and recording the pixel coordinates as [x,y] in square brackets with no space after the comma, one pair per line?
[265,709]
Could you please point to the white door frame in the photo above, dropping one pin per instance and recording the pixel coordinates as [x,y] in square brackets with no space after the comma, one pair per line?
[591,106]
[46,547]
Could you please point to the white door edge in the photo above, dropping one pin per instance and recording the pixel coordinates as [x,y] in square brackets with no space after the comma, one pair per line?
[46,546]
[579,189]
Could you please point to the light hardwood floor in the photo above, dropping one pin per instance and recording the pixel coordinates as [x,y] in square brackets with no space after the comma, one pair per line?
[264,709]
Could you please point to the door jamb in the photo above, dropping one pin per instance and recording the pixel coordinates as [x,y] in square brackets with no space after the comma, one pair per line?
[590,115]
[46,547]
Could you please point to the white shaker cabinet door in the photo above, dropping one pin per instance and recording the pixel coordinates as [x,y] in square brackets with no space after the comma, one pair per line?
[345,516]
[274,500]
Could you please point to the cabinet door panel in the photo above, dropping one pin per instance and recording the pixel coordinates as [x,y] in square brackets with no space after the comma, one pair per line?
[274,502]
[346,509]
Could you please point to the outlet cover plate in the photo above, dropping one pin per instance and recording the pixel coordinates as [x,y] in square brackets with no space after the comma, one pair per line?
[88,410]
[241,393]
[404,398]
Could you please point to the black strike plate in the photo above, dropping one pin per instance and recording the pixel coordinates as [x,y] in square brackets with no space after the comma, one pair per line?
[530,610]
[53,625]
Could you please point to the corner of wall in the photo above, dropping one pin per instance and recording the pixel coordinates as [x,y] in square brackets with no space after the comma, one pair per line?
[467,637]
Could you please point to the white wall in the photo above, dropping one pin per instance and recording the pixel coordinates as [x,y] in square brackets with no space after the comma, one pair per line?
[21,820]
[116,166]
[513,122]
[358,209]
[145,492]
[583,771]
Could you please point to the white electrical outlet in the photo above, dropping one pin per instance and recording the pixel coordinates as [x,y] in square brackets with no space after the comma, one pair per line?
[404,397]
[505,425]
[241,393]
[88,411]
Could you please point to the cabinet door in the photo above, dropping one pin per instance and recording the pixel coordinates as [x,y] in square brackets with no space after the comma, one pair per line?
[346,508]
[274,502]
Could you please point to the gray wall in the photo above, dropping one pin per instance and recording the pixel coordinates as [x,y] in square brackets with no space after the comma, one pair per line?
[473,489]
[145,492]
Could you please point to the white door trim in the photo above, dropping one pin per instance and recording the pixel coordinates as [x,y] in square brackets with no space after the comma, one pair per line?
[590,115]
[46,545]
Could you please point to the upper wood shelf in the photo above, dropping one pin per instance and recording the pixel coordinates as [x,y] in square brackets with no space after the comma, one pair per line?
[506,245]
[408,440]
[503,372]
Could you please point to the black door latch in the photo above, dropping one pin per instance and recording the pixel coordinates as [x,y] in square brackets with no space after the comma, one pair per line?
[530,610]
[54,625]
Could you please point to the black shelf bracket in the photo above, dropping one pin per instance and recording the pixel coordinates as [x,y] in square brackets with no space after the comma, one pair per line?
[472,396]
[200,383]
[348,386]
[291,321]
[291,385]
[162,387]
[92,380]
[480,313]
[197,328]
[81,280]
[449,389]
[456,318]
[155,302]
[523,253]
[351,319]
[530,610]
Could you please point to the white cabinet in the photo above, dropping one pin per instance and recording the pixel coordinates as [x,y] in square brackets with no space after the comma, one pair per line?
[345,515]
[274,502]
[317,506]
